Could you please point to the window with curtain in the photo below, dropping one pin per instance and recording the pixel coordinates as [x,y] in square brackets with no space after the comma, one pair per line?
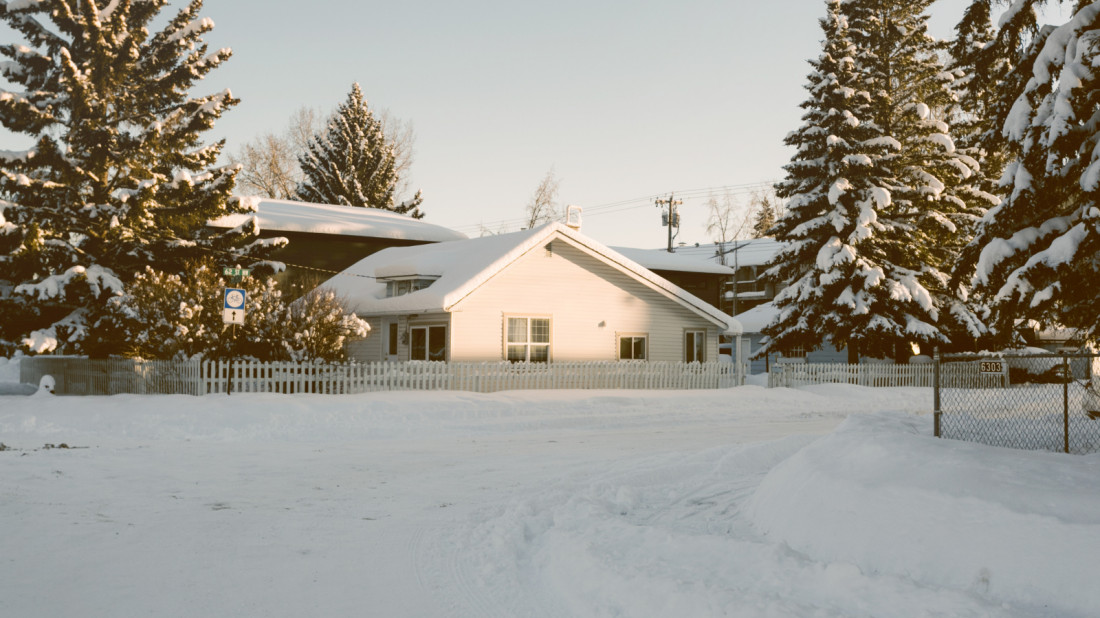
[528,339]
[428,343]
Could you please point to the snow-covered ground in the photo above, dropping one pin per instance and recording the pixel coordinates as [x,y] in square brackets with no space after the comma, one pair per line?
[820,501]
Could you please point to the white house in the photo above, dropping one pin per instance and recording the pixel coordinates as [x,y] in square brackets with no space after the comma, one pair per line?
[539,295]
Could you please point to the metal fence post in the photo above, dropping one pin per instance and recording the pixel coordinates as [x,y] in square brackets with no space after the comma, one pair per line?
[1066,377]
[936,393]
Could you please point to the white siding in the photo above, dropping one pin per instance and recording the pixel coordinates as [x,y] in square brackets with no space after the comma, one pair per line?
[369,349]
[373,348]
[588,301]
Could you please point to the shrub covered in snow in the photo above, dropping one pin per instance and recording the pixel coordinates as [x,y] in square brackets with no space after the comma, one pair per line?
[167,316]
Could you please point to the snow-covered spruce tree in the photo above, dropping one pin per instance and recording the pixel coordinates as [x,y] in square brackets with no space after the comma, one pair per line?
[764,217]
[117,178]
[869,219]
[936,190]
[352,163]
[1037,254]
[978,71]
[834,189]
[167,316]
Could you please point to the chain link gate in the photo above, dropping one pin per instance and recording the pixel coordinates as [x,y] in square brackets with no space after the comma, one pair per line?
[1035,401]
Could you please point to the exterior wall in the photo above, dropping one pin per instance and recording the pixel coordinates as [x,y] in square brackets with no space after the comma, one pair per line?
[589,304]
[828,353]
[374,347]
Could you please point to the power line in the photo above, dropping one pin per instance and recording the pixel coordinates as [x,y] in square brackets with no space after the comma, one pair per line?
[629,204]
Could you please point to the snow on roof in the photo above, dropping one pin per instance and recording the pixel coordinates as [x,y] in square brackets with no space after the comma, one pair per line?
[754,320]
[290,216]
[747,252]
[464,265]
[661,259]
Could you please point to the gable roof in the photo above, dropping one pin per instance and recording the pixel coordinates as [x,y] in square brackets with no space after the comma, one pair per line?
[291,216]
[462,266]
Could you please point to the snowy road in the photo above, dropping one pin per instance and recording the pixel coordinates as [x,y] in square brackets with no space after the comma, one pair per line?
[429,504]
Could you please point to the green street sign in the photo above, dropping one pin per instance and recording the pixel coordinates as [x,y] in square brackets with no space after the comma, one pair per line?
[236,272]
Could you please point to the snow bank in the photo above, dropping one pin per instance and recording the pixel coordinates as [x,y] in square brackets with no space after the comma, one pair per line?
[535,503]
[881,494]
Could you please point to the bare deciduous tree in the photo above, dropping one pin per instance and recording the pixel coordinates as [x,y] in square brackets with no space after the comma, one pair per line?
[269,164]
[304,124]
[725,221]
[543,207]
[269,167]
[402,137]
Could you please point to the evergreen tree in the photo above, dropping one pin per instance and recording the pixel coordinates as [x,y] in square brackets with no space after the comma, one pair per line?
[765,217]
[937,191]
[974,113]
[353,163]
[876,193]
[117,178]
[1036,254]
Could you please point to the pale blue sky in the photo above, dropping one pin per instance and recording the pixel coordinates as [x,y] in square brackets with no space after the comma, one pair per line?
[626,100]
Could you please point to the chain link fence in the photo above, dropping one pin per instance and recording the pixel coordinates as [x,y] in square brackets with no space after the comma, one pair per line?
[1036,401]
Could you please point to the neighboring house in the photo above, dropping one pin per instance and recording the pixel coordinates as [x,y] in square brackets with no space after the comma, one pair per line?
[331,238]
[696,274]
[748,259]
[753,322]
[1051,338]
[546,294]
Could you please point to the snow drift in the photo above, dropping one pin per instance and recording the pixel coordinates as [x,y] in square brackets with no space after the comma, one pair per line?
[881,494]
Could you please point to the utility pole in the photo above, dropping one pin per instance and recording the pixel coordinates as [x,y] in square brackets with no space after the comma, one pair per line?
[672,217]
[736,276]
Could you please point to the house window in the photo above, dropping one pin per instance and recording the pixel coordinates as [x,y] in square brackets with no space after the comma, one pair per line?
[794,352]
[632,347]
[528,340]
[695,346]
[391,341]
[400,287]
[428,343]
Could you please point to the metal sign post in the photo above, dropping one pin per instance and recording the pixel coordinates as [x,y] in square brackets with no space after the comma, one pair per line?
[233,310]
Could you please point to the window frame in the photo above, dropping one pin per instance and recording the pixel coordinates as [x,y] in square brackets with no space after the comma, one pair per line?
[527,343]
[797,351]
[699,345]
[401,286]
[427,328]
[644,337]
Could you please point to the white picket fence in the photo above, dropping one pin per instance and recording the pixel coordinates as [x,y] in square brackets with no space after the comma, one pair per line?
[90,377]
[954,375]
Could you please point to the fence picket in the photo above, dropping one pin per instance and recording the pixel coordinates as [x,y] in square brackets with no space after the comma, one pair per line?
[83,376]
